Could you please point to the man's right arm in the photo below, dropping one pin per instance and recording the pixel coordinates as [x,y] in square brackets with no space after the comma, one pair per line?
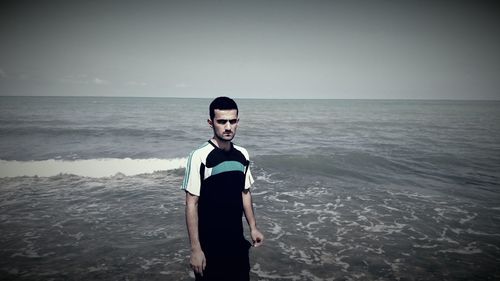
[198,261]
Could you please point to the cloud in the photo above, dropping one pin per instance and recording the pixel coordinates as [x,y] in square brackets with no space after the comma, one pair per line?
[75,79]
[135,83]
[182,86]
[83,79]
[99,81]
[15,76]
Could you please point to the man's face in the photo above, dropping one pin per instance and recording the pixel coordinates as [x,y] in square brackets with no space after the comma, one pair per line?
[224,124]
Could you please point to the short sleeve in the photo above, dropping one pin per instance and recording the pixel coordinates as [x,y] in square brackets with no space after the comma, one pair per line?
[248,175]
[192,181]
[248,178]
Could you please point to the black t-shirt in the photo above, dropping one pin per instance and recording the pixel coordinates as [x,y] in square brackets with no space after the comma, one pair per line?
[219,177]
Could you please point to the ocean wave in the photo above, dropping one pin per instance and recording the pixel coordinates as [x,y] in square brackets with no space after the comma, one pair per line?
[43,129]
[359,165]
[95,168]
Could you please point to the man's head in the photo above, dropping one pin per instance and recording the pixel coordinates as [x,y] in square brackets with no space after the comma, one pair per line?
[223,118]
[222,103]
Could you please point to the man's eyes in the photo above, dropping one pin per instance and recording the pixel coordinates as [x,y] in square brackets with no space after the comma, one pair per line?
[224,121]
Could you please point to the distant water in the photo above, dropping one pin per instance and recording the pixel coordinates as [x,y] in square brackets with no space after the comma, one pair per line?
[345,189]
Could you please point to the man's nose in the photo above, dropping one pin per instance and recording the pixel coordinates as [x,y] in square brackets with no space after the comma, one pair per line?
[227,126]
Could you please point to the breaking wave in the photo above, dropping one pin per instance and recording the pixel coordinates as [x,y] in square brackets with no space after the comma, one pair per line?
[95,168]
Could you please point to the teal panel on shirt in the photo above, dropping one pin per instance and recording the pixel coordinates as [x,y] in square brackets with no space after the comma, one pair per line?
[228,166]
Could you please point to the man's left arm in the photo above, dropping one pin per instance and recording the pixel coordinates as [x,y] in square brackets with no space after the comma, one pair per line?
[256,235]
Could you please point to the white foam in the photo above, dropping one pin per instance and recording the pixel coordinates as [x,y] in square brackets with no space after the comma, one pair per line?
[470,249]
[95,168]
[267,275]
[389,229]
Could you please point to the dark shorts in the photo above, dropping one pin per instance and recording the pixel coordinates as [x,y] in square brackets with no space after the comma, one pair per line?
[235,267]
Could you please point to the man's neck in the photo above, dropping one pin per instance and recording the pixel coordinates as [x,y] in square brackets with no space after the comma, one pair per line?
[224,145]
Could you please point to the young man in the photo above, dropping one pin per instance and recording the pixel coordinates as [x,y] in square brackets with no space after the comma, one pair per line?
[217,185]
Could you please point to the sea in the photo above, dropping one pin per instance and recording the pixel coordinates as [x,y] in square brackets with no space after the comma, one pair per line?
[344,189]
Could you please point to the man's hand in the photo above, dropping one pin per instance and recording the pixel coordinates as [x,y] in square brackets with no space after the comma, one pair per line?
[257,237]
[198,261]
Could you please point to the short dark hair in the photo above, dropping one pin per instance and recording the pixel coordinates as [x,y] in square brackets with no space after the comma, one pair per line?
[222,103]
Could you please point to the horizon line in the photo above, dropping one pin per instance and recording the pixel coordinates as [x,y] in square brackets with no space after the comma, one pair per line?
[253,98]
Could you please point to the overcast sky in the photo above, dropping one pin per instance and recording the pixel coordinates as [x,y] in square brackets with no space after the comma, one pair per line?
[254,49]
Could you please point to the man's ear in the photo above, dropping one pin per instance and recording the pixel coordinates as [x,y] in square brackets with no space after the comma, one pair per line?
[210,123]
